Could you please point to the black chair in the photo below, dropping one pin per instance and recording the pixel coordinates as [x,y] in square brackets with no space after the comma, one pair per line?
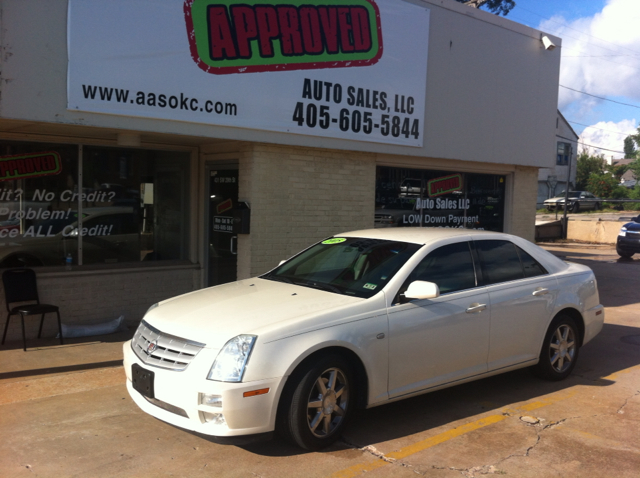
[20,286]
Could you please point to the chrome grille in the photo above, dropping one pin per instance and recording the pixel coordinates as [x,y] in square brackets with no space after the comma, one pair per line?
[172,352]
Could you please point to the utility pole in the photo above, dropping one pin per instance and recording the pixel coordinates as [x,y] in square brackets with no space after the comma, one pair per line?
[565,224]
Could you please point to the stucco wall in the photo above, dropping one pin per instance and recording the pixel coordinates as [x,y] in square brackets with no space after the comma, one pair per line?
[599,232]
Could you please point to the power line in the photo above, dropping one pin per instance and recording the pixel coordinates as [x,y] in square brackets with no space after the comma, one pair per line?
[591,145]
[601,129]
[600,97]
[581,32]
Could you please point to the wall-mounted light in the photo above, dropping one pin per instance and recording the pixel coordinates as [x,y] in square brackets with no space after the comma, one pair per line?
[547,43]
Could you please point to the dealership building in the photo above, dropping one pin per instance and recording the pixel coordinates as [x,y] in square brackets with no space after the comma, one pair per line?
[146,153]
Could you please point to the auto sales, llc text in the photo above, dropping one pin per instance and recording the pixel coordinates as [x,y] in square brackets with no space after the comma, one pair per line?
[372,110]
[325,105]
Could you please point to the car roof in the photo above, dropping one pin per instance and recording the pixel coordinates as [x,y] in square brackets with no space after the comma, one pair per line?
[417,235]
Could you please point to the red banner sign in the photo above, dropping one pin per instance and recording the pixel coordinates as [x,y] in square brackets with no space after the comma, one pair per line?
[31,165]
[444,185]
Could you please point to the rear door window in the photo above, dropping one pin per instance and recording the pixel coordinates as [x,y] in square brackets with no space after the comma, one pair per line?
[500,261]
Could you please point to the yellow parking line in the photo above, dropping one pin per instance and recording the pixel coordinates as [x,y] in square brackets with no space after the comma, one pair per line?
[448,435]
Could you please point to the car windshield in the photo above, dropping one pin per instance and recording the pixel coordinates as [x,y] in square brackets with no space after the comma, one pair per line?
[354,266]
[572,194]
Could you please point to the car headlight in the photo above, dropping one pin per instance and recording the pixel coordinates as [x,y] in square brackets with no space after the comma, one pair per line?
[623,231]
[231,361]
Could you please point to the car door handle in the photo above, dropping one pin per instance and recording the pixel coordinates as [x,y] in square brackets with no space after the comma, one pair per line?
[540,291]
[475,308]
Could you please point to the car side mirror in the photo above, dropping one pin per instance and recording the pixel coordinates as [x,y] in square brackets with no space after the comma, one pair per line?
[422,290]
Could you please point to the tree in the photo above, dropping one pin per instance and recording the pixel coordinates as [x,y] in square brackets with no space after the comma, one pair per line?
[601,185]
[495,6]
[617,170]
[635,166]
[588,165]
[629,148]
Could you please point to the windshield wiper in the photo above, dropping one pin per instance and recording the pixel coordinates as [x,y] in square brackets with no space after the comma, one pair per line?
[322,286]
[276,278]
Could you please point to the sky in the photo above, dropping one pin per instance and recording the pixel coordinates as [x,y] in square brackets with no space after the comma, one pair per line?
[600,55]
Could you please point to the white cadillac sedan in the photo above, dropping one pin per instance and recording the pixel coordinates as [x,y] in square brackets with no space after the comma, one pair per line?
[359,320]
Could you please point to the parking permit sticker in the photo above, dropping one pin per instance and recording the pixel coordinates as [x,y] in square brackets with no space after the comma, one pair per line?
[369,286]
[334,240]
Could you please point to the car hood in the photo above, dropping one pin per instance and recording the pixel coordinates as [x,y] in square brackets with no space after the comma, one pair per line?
[558,199]
[632,226]
[213,316]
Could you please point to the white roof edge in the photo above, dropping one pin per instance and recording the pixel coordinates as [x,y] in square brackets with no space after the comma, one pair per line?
[487,17]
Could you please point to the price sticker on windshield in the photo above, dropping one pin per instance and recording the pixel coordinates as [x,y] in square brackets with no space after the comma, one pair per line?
[334,240]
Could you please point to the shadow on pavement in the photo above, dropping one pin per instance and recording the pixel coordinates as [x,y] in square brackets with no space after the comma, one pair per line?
[610,352]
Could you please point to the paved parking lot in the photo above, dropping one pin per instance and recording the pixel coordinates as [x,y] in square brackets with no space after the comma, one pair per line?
[64,411]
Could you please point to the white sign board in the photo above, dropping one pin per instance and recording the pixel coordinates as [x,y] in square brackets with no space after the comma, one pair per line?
[353,70]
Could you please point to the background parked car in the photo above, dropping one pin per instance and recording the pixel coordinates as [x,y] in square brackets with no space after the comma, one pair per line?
[628,242]
[578,201]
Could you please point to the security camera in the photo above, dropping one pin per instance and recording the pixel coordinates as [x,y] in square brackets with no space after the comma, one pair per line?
[548,44]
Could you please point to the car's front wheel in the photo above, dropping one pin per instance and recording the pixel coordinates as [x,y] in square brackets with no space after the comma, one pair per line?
[624,254]
[559,351]
[575,208]
[316,407]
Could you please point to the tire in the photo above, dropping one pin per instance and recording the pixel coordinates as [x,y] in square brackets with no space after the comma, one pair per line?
[317,405]
[596,207]
[625,254]
[575,208]
[560,350]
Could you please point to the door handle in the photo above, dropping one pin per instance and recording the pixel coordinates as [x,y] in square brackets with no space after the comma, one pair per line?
[475,308]
[540,291]
[233,250]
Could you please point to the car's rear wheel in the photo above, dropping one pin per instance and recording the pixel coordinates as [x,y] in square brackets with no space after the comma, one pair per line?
[316,406]
[597,206]
[559,351]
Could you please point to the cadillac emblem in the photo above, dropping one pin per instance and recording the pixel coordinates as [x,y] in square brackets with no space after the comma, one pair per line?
[152,347]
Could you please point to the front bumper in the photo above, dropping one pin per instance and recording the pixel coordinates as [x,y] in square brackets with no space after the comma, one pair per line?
[629,243]
[177,398]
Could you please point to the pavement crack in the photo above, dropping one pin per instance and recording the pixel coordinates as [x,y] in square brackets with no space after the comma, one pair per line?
[626,402]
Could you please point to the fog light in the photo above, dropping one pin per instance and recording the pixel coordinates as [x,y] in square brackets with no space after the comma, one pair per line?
[215,418]
[211,400]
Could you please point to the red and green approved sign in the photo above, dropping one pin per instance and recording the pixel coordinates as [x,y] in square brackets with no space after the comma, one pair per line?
[444,185]
[231,36]
[31,165]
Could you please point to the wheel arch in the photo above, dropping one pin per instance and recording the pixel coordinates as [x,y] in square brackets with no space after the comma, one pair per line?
[576,316]
[359,372]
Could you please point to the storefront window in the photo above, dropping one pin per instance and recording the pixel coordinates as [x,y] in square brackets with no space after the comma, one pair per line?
[424,198]
[133,203]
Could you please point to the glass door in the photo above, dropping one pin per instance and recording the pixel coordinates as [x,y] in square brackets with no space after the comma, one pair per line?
[223,242]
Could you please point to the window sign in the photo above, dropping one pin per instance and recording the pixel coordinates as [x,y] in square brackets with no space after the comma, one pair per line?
[422,198]
[134,205]
[223,224]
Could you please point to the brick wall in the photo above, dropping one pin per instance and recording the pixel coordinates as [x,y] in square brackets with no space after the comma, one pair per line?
[101,296]
[299,196]
[523,207]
